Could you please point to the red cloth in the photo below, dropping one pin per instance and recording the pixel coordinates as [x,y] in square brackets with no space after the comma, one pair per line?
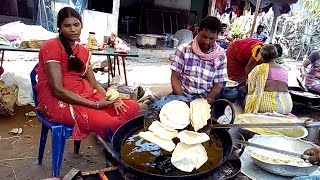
[238,56]
[221,6]
[85,119]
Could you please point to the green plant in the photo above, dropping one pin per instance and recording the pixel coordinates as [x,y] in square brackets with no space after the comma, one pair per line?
[313,6]
[237,35]
[236,32]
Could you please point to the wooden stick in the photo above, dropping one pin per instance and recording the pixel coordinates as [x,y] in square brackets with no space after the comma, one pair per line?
[212,7]
[255,17]
[112,168]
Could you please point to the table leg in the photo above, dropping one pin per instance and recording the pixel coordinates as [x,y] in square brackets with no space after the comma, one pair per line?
[2,57]
[124,71]
[114,66]
[118,65]
[109,69]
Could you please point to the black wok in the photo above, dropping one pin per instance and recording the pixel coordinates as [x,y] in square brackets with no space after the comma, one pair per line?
[131,126]
[304,99]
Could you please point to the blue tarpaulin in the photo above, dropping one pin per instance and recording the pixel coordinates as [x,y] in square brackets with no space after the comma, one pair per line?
[45,16]
[80,5]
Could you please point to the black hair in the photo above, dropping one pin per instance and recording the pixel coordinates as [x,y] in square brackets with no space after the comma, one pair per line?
[260,26]
[279,49]
[74,63]
[210,23]
[268,52]
[224,25]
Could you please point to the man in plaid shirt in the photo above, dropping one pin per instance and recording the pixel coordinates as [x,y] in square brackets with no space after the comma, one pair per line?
[199,67]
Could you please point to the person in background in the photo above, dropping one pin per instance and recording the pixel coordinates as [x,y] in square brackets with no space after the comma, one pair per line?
[268,85]
[224,37]
[68,92]
[260,34]
[314,155]
[199,67]
[243,55]
[313,75]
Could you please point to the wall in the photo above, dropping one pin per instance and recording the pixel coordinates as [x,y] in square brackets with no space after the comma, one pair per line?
[196,7]
[128,3]
[94,21]
[177,4]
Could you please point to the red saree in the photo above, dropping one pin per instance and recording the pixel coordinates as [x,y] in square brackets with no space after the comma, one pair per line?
[238,55]
[83,119]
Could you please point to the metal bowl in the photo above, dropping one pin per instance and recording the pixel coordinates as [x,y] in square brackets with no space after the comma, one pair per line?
[293,132]
[278,163]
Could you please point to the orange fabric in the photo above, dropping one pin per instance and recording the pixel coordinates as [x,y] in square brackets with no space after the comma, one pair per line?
[84,119]
[238,55]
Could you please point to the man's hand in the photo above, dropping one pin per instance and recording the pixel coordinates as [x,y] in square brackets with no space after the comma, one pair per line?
[214,92]
[314,154]
[209,100]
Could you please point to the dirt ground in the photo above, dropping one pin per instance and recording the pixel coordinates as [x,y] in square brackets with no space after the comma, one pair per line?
[18,155]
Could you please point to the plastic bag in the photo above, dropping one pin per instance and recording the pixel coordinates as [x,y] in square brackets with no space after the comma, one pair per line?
[25,90]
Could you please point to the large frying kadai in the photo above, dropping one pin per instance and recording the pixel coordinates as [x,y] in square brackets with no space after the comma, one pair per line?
[137,124]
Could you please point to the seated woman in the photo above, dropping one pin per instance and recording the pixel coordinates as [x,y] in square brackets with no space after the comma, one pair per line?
[268,85]
[313,75]
[68,92]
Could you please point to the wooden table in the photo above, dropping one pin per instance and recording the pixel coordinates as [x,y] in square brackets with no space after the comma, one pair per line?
[112,67]
[108,52]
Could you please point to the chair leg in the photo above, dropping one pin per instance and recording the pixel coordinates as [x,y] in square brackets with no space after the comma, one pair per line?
[43,140]
[58,143]
[76,147]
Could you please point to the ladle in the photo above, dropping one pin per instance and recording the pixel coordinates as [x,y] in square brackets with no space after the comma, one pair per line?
[301,85]
[308,124]
[245,143]
[1,67]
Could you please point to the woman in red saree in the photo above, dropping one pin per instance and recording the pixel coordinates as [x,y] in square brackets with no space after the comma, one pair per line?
[68,92]
[242,56]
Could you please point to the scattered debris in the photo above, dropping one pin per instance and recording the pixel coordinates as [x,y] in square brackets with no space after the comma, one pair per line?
[19,137]
[16,131]
[30,114]
[15,142]
[14,159]
[14,172]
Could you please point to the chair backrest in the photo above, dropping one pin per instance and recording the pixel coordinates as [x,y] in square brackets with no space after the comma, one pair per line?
[40,116]
[34,82]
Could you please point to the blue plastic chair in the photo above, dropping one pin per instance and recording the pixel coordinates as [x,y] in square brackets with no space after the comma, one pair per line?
[59,134]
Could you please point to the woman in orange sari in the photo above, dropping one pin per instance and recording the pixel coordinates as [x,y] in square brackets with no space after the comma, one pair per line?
[68,92]
[242,56]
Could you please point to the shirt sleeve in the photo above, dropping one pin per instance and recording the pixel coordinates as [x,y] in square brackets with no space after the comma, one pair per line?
[221,75]
[255,54]
[177,63]
[255,35]
[51,52]
[314,56]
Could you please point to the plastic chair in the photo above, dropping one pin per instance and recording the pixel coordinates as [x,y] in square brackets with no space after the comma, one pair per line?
[59,134]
